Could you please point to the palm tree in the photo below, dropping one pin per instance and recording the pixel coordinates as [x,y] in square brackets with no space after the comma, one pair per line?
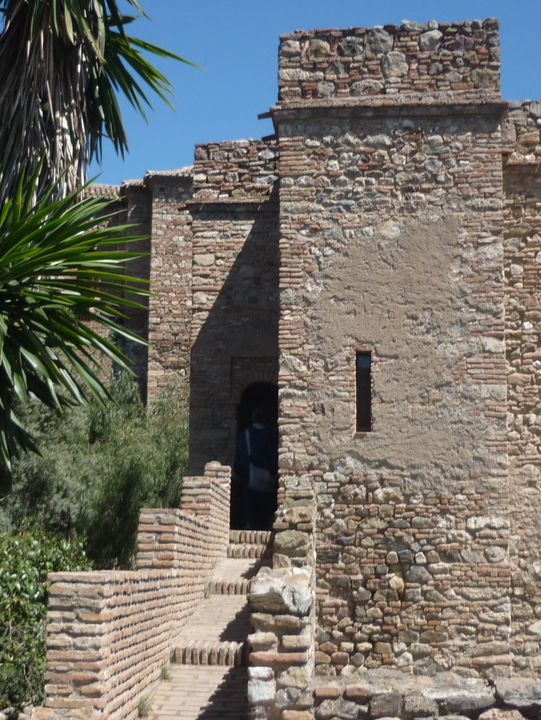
[63,64]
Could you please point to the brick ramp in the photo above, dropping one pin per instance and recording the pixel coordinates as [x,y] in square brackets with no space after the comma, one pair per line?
[207,679]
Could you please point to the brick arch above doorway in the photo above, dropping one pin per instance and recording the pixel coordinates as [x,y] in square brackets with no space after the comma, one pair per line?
[246,371]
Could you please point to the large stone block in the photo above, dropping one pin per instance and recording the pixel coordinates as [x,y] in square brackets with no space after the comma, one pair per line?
[292,543]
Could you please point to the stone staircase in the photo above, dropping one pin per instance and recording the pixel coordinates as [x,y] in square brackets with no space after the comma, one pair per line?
[207,677]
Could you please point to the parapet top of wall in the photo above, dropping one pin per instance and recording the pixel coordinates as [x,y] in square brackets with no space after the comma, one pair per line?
[459,58]
[179,176]
[107,192]
[521,133]
[245,169]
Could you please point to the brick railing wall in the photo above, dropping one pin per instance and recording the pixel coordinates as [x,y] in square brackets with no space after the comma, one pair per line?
[168,537]
[109,633]
[283,613]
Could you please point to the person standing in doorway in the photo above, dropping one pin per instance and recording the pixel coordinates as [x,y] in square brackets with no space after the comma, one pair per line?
[257,467]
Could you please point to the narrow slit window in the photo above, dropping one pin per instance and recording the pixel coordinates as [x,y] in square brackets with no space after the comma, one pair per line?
[363,376]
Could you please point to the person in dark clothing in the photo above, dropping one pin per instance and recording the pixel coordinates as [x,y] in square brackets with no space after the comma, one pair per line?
[256,464]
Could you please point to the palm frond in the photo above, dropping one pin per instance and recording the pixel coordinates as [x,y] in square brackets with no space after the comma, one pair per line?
[63,289]
[63,64]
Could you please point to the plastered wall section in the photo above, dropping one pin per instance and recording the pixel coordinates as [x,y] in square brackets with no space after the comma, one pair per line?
[391,242]
[234,325]
[109,633]
[522,185]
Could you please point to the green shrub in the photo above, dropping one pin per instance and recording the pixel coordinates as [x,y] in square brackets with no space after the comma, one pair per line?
[98,466]
[25,560]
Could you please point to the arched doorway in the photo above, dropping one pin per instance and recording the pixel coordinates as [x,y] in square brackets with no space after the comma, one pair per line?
[262,395]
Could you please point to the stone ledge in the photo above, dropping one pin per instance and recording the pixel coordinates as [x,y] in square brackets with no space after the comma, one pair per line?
[435,104]
[252,204]
[383,693]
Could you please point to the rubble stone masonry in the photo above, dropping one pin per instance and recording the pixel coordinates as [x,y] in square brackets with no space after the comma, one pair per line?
[391,243]
[522,192]
[432,60]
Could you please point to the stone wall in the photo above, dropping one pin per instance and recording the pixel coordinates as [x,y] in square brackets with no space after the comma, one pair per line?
[433,59]
[109,633]
[234,326]
[391,242]
[283,613]
[170,279]
[521,134]
[136,211]
[522,187]
[118,208]
[234,170]
[387,693]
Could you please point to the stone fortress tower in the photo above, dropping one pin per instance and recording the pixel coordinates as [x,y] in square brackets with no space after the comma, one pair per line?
[376,265]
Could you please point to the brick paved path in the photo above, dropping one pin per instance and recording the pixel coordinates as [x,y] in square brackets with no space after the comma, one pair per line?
[219,617]
[208,679]
[201,693]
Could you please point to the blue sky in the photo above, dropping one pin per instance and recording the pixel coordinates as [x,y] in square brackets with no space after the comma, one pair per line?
[236,42]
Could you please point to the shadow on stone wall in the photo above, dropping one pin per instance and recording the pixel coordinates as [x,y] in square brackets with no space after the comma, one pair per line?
[236,343]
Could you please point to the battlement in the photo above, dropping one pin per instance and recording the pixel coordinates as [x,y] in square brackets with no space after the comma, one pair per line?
[521,133]
[234,170]
[458,58]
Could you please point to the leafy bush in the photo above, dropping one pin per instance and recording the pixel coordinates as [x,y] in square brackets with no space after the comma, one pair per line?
[98,466]
[25,561]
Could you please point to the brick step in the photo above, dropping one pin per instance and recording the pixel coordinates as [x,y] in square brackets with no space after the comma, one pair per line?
[240,586]
[228,653]
[233,576]
[251,537]
[216,633]
[247,550]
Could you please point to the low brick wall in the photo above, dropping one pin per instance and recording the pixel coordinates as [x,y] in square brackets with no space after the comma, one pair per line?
[109,633]
[173,538]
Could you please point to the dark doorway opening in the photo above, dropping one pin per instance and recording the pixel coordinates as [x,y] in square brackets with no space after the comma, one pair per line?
[258,395]
[263,395]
